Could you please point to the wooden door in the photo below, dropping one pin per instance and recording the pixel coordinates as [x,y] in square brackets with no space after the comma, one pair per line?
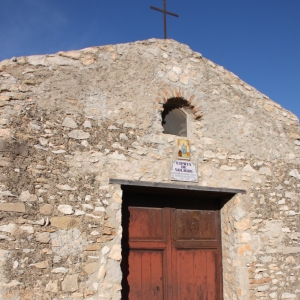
[171,248]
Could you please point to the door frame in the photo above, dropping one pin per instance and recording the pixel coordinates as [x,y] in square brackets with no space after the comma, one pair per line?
[221,195]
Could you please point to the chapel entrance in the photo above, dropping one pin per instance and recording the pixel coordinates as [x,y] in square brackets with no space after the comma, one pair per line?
[171,247]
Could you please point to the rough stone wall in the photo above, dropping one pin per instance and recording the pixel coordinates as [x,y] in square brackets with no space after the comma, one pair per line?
[72,120]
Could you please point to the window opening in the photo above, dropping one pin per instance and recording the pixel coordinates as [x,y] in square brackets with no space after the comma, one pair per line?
[174,119]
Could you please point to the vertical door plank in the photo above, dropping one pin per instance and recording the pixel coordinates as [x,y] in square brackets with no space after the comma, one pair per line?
[152,272]
[146,275]
[185,274]
[212,277]
[134,275]
[200,274]
[169,269]
[157,284]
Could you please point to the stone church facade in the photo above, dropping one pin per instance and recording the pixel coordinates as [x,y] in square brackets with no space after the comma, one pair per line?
[79,128]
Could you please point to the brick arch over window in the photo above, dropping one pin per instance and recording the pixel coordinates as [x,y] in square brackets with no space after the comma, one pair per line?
[192,101]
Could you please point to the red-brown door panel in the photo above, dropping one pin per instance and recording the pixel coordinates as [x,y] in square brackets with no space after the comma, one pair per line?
[145,276]
[195,225]
[146,224]
[196,275]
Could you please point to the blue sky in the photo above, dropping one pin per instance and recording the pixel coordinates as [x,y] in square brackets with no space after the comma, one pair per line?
[258,40]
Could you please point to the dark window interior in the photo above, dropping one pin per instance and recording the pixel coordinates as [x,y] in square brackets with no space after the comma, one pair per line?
[174,120]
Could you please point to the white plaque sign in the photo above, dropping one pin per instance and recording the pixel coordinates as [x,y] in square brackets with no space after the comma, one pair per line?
[184,171]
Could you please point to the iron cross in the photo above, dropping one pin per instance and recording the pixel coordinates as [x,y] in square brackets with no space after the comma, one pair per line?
[165,12]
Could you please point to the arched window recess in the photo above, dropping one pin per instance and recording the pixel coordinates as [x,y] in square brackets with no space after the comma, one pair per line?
[174,117]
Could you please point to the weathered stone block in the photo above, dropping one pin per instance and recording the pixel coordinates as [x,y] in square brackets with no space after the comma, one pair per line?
[79,135]
[69,123]
[65,209]
[43,237]
[13,207]
[115,252]
[91,268]
[93,247]
[5,133]
[46,209]
[26,196]
[242,225]
[10,228]
[5,162]
[70,283]
[52,286]
[41,265]
[65,222]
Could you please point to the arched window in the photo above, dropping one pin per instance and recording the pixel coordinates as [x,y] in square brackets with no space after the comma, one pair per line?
[174,119]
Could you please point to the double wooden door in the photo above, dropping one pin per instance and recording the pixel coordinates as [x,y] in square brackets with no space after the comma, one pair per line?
[171,248]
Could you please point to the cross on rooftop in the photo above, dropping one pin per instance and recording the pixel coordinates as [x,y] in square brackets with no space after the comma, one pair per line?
[165,12]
